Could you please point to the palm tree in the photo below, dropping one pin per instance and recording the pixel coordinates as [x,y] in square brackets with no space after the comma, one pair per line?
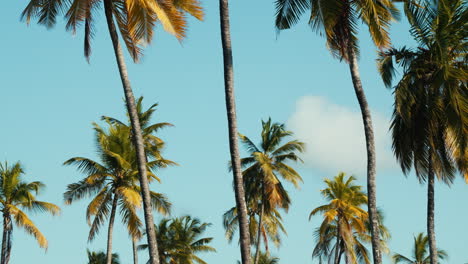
[338,20]
[100,257]
[233,132]
[113,184]
[180,240]
[135,21]
[265,258]
[430,120]
[265,165]
[344,220]
[17,195]
[420,254]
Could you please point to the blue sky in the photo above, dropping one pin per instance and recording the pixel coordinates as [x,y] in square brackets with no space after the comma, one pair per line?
[51,95]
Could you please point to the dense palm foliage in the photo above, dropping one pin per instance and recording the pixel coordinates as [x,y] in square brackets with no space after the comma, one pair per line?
[338,21]
[113,183]
[345,228]
[266,165]
[430,120]
[100,258]
[181,240]
[17,196]
[420,252]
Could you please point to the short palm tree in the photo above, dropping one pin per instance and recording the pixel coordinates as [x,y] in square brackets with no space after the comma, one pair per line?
[135,22]
[265,258]
[430,120]
[265,166]
[420,252]
[344,219]
[17,195]
[113,184]
[100,257]
[338,21]
[181,240]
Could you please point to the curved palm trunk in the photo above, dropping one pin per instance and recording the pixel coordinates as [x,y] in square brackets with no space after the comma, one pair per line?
[135,252]
[109,231]
[137,139]
[430,214]
[232,124]
[6,239]
[338,249]
[259,233]
[370,146]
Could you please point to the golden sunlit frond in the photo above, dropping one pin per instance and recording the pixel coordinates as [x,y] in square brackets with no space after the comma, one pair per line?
[23,221]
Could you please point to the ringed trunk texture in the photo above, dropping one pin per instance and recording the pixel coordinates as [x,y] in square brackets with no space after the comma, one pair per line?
[6,239]
[232,125]
[370,146]
[138,138]
[109,231]
[259,234]
[430,215]
[135,251]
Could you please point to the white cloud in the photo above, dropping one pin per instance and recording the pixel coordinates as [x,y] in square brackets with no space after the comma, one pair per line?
[335,136]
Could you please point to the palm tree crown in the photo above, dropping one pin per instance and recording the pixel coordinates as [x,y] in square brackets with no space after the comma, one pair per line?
[420,252]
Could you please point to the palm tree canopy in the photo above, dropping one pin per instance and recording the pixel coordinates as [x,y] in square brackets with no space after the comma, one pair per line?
[115,176]
[100,257]
[420,254]
[180,240]
[17,195]
[431,99]
[338,20]
[135,19]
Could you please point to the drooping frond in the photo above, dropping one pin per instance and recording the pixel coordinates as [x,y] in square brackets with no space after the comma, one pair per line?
[23,221]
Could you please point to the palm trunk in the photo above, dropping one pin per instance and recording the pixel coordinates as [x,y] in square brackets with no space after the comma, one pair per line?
[135,251]
[338,249]
[259,233]
[232,124]
[6,239]
[110,229]
[137,138]
[430,214]
[370,146]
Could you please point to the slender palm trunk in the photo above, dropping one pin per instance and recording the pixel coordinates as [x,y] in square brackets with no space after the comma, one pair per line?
[370,146]
[110,229]
[135,251]
[430,214]
[138,138]
[232,124]
[6,239]
[259,233]
[338,249]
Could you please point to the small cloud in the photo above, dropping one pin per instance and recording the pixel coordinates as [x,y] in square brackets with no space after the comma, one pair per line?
[335,137]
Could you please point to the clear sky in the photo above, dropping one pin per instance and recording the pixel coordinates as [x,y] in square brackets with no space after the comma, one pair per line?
[51,95]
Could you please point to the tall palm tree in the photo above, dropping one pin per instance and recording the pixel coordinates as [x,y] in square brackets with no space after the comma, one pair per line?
[420,254]
[430,120]
[113,184]
[100,257]
[17,195]
[344,220]
[135,21]
[338,20]
[181,240]
[266,164]
[239,191]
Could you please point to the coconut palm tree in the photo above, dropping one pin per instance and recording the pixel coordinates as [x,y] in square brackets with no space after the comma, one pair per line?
[17,196]
[112,183]
[265,258]
[100,257]
[181,240]
[239,191]
[135,21]
[265,165]
[420,254]
[344,219]
[338,21]
[430,120]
